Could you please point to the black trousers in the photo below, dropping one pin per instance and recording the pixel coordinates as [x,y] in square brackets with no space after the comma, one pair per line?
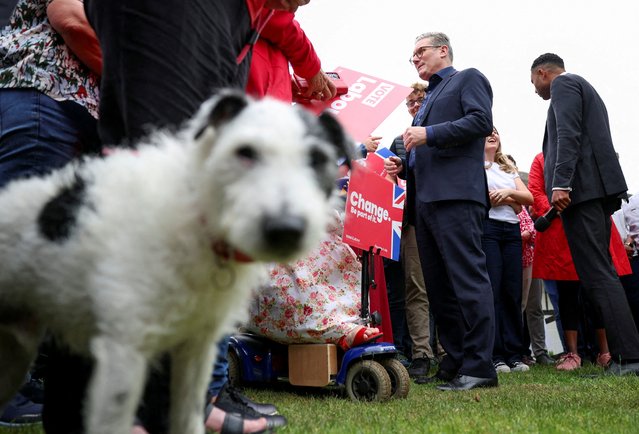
[162,59]
[587,226]
[459,290]
[631,285]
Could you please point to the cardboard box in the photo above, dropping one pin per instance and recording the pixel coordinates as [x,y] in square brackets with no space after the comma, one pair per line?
[311,364]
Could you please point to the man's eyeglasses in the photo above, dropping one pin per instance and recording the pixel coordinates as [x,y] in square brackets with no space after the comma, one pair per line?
[420,51]
[413,102]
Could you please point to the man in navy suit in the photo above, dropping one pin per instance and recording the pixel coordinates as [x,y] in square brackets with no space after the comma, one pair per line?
[445,163]
[585,185]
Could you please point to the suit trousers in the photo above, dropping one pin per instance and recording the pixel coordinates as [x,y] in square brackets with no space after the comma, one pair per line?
[631,286]
[417,305]
[454,266]
[587,227]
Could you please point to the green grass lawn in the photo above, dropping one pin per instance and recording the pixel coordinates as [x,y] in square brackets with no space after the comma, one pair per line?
[542,400]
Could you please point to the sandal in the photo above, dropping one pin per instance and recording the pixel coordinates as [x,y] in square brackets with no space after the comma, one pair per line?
[234,422]
[359,339]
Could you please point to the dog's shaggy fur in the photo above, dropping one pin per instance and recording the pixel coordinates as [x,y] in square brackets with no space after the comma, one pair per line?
[124,258]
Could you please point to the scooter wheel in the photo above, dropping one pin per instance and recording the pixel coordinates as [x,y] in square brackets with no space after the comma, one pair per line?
[235,369]
[400,380]
[367,380]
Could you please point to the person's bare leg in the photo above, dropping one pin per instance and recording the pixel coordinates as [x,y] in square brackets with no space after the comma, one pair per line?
[571,340]
[602,341]
[603,358]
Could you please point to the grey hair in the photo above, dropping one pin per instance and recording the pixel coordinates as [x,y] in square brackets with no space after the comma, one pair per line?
[437,38]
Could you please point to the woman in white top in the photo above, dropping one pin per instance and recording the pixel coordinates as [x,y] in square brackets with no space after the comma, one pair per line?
[501,242]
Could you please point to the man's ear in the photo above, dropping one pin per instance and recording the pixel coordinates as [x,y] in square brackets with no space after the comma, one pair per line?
[338,137]
[223,108]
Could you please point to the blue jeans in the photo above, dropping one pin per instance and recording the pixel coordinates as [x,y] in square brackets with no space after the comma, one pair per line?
[220,368]
[39,134]
[501,243]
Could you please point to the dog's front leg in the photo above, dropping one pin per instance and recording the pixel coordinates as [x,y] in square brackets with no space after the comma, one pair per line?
[115,388]
[191,368]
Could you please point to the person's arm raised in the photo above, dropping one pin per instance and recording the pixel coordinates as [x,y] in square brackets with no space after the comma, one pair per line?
[68,19]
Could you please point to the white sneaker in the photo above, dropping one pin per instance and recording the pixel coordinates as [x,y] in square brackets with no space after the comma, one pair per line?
[501,367]
[519,367]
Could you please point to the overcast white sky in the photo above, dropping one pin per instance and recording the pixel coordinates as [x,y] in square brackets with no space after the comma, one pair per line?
[597,40]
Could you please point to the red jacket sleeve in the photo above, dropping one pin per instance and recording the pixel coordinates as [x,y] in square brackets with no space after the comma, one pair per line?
[537,186]
[285,33]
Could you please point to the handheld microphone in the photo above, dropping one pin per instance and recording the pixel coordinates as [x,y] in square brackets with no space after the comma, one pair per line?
[542,223]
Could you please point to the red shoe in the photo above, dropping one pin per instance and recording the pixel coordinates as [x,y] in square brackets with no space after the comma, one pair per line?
[569,362]
[359,339]
[603,359]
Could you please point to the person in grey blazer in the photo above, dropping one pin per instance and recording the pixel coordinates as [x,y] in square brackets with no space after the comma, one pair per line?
[445,160]
[585,185]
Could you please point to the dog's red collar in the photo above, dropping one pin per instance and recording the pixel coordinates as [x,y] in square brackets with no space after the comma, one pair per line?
[225,251]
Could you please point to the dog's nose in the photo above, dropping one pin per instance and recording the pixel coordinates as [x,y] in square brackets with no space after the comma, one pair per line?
[284,232]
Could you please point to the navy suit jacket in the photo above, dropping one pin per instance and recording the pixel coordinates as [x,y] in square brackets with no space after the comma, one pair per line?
[578,149]
[450,166]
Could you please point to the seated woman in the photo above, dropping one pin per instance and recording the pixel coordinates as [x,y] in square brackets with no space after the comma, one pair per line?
[316,299]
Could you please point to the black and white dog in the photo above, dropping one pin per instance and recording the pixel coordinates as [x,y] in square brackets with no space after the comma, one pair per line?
[147,252]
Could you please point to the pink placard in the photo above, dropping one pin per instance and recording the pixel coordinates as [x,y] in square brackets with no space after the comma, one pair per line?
[369,101]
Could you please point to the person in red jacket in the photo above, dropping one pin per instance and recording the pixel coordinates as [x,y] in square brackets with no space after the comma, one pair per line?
[553,261]
[282,42]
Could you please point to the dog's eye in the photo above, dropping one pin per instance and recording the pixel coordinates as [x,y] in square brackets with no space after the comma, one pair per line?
[247,154]
[318,159]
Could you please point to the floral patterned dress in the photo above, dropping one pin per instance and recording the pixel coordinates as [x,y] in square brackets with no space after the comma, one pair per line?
[314,300]
[33,55]
[527,246]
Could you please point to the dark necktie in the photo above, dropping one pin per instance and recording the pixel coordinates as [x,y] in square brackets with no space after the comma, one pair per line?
[421,113]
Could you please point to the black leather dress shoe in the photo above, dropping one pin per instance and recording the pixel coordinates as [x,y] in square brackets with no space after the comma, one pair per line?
[440,375]
[466,382]
[622,369]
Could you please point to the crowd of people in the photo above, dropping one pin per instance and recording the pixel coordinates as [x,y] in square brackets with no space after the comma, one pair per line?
[445,149]
[467,292]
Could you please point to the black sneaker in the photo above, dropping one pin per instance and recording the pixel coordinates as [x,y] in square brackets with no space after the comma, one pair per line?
[545,359]
[403,360]
[440,376]
[34,390]
[232,401]
[21,411]
[419,367]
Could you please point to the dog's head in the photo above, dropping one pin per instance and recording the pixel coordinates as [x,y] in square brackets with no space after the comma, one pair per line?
[269,174]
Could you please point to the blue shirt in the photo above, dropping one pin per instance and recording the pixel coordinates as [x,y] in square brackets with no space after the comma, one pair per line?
[435,79]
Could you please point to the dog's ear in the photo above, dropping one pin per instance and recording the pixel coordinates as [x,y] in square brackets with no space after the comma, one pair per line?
[225,106]
[337,136]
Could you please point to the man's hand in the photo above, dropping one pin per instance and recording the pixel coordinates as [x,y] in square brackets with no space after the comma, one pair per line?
[371,143]
[286,5]
[414,136]
[320,87]
[629,245]
[560,199]
[393,165]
